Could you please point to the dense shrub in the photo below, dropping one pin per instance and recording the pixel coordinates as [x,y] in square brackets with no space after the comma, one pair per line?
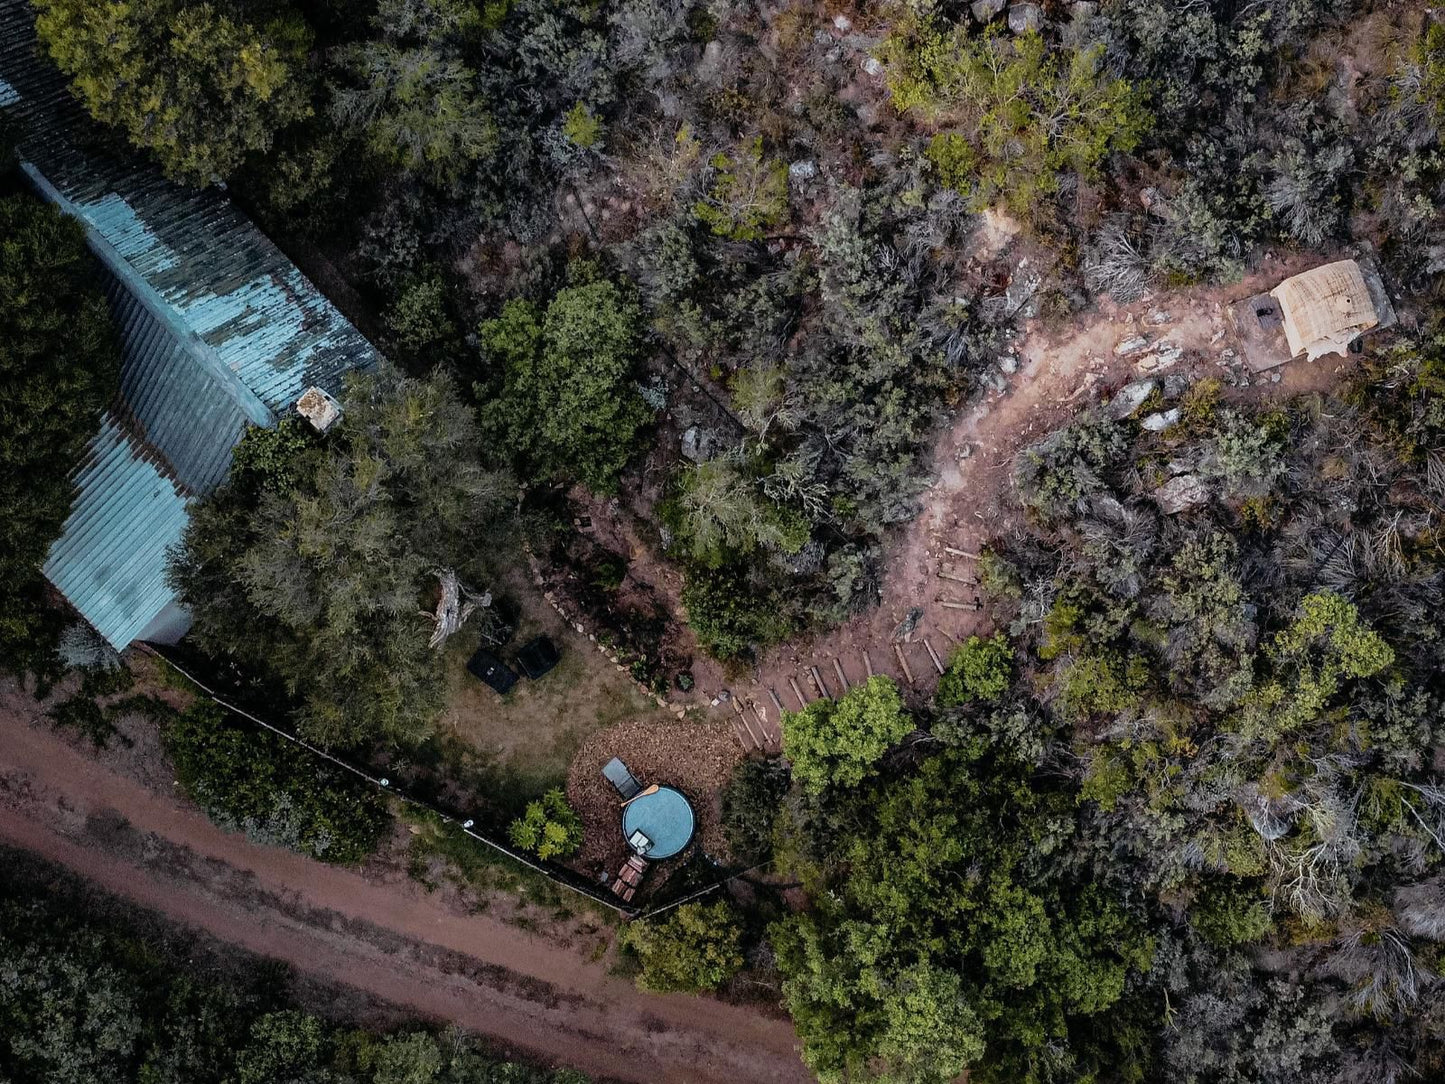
[696,947]
[750,806]
[86,998]
[549,828]
[249,780]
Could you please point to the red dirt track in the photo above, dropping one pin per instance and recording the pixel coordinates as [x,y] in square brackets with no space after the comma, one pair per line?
[387,939]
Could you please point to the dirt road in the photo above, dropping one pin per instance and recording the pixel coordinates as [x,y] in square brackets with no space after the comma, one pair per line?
[388,939]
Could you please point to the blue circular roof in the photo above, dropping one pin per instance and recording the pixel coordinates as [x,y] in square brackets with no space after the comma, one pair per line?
[664,817]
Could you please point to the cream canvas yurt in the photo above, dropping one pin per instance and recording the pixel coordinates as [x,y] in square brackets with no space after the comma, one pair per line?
[1325,309]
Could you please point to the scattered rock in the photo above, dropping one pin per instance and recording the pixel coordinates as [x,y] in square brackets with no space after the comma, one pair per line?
[1165,355]
[1159,316]
[1008,363]
[1181,493]
[1130,398]
[1157,423]
[984,10]
[1175,384]
[698,444]
[843,23]
[1083,9]
[1276,376]
[873,66]
[711,62]
[1131,346]
[1025,18]
[964,451]
[805,170]
[999,381]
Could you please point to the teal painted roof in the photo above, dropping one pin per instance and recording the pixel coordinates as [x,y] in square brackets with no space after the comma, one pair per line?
[222,279]
[110,561]
[217,329]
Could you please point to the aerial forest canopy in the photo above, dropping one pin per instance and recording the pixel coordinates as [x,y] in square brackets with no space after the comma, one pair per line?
[726,268]
[767,228]
[1184,819]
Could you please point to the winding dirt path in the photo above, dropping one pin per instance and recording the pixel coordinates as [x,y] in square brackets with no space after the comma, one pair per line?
[1060,371]
[390,940]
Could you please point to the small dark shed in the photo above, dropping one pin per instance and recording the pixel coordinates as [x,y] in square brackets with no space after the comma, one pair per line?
[536,657]
[492,670]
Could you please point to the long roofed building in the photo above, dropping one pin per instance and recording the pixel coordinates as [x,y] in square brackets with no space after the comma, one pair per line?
[218,330]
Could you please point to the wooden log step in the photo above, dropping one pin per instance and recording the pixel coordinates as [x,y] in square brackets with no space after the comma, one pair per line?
[960,553]
[776,702]
[867,664]
[818,682]
[775,739]
[842,677]
[947,605]
[937,662]
[742,737]
[802,700]
[747,725]
[902,662]
[956,577]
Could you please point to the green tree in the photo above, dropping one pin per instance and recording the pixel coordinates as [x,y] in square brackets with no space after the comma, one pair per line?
[943,937]
[696,947]
[1327,645]
[327,578]
[58,369]
[550,827]
[284,1045]
[196,87]
[419,106]
[839,743]
[720,512]
[567,404]
[1018,115]
[978,670]
[749,193]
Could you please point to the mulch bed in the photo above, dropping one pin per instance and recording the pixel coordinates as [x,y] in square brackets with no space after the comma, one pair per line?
[696,757]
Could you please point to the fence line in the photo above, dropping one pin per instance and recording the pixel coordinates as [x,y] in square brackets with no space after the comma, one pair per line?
[556,876]
[664,908]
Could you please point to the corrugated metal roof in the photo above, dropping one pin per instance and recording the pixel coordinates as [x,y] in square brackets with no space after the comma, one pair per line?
[110,561]
[217,329]
[222,278]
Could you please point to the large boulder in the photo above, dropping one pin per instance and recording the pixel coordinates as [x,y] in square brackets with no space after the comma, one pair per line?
[1181,493]
[1130,398]
[1025,18]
